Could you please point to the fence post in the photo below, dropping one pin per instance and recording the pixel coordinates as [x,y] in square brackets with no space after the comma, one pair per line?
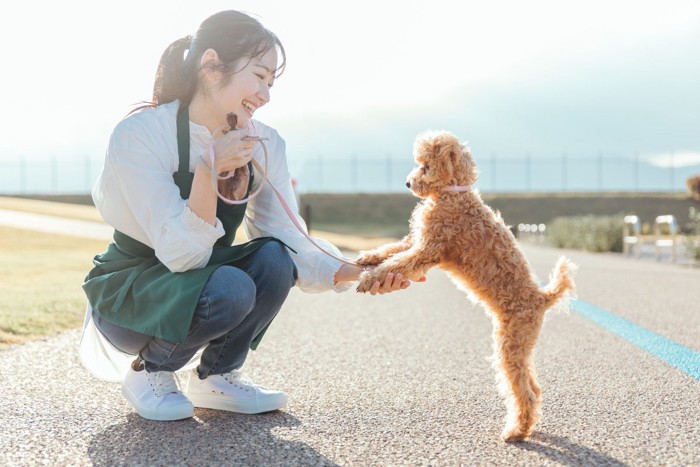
[389,181]
[673,172]
[669,220]
[88,179]
[54,174]
[528,172]
[353,171]
[320,173]
[563,172]
[22,174]
[493,171]
[631,235]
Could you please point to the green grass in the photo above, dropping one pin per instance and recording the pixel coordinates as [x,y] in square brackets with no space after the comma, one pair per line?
[40,283]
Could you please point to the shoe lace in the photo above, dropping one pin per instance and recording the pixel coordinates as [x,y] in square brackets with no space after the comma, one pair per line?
[238,379]
[164,382]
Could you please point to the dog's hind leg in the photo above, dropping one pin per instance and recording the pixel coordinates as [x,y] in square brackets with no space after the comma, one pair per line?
[515,335]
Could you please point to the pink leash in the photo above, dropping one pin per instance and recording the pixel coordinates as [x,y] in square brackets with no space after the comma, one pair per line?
[215,185]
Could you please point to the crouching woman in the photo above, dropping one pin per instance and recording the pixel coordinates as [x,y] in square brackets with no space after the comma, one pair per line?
[171,291]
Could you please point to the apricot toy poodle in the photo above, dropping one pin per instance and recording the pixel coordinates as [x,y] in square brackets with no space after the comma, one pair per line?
[452,228]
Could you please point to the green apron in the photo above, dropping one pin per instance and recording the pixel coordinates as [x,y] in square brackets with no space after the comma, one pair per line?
[130,287]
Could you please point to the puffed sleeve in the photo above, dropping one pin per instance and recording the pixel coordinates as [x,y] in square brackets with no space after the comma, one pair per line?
[136,194]
[265,216]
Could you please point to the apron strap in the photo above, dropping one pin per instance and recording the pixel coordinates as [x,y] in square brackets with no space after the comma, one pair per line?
[183,177]
[183,139]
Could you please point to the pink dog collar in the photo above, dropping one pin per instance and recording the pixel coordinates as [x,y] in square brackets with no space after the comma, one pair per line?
[458,188]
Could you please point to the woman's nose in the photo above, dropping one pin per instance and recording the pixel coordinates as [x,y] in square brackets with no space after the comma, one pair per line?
[264,93]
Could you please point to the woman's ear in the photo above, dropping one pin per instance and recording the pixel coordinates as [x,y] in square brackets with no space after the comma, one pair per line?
[209,58]
[209,64]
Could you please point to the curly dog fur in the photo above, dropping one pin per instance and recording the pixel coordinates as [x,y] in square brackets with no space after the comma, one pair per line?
[456,231]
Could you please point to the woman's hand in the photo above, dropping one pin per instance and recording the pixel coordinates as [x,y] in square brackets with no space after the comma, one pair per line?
[231,150]
[392,282]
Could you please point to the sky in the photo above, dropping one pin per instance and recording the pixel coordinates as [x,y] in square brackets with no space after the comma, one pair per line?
[541,77]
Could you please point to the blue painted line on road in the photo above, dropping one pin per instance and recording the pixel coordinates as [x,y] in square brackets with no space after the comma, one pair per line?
[673,353]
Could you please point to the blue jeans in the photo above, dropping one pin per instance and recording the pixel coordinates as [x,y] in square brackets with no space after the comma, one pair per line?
[236,303]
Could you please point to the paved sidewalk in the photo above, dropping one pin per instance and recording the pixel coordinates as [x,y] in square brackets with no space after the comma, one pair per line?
[396,379]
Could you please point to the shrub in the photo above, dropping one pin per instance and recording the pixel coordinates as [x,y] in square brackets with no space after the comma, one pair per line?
[590,233]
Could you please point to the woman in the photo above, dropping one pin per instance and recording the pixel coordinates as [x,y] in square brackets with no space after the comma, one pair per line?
[170,284]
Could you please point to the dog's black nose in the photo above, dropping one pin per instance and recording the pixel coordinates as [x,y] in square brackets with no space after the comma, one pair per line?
[408,184]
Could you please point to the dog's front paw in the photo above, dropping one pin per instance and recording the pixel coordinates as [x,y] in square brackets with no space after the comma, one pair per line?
[369,258]
[365,283]
[367,280]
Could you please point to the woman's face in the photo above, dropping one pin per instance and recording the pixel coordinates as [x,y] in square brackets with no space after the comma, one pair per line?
[246,91]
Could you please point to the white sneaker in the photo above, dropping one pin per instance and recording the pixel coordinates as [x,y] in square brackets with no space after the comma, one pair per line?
[155,396]
[232,393]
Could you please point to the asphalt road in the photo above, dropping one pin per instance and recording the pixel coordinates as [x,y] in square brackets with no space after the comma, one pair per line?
[396,379]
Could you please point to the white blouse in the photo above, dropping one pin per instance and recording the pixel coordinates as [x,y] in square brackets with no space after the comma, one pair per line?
[136,194]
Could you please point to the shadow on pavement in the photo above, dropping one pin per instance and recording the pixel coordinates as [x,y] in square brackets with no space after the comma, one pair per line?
[210,438]
[565,451]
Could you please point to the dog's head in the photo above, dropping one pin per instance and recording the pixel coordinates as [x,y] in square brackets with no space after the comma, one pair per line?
[442,161]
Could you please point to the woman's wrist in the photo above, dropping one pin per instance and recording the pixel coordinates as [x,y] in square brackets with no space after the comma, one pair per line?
[204,162]
[202,199]
[347,273]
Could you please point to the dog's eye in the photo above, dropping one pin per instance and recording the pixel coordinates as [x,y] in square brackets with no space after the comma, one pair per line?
[426,167]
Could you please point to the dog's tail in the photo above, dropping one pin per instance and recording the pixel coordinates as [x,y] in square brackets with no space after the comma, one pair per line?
[561,282]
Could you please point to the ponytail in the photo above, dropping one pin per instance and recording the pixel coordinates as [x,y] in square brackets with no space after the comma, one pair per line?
[176,77]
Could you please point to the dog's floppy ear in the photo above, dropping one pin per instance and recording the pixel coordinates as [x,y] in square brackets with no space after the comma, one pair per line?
[457,157]
[465,160]
[455,164]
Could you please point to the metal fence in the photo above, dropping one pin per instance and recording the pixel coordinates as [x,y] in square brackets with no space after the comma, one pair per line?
[498,174]
[384,173]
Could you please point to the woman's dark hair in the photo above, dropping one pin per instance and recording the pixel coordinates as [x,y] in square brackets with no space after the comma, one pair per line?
[232,34]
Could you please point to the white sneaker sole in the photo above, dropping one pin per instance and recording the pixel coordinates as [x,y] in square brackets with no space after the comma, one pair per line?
[172,412]
[207,401]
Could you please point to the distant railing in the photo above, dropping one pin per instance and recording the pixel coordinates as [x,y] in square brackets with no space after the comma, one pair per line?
[498,174]
[665,235]
[632,236]
[532,232]
[387,173]
[663,239]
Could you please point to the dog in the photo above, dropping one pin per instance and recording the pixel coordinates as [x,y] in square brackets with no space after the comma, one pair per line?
[452,228]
